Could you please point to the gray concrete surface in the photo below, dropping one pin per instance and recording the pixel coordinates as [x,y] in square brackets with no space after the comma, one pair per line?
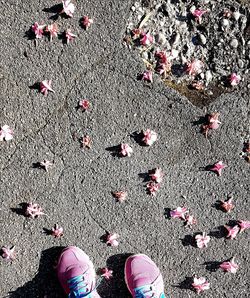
[76,192]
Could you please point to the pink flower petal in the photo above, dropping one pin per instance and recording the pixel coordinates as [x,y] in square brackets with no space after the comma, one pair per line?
[6,133]
[8,253]
[227,206]
[120,196]
[57,231]
[179,212]
[86,141]
[38,30]
[149,137]
[46,164]
[194,67]
[190,220]
[52,30]
[126,150]
[198,13]
[232,231]
[45,86]
[153,188]
[106,273]
[202,240]
[84,104]
[234,79]
[33,210]
[146,39]
[200,284]
[218,167]
[86,22]
[68,8]
[69,35]
[157,176]
[244,224]
[148,76]
[229,266]
[112,239]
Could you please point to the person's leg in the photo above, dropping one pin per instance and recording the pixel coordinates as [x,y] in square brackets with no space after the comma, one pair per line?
[143,277]
[76,273]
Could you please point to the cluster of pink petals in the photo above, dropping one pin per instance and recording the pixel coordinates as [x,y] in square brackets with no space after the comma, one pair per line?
[234,79]
[84,104]
[126,150]
[157,175]
[198,85]
[190,220]
[6,133]
[86,22]
[120,196]
[200,284]
[212,123]
[86,141]
[217,167]
[106,273]
[68,8]
[52,30]
[136,33]
[229,266]
[8,253]
[33,210]
[163,63]
[45,86]
[46,164]
[244,225]
[148,76]
[194,67]
[146,39]
[232,231]
[69,35]
[112,239]
[202,240]
[153,188]
[57,231]
[179,212]
[198,13]
[38,30]
[149,137]
[227,206]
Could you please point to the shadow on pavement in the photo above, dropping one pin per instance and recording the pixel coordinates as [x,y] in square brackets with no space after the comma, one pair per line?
[45,283]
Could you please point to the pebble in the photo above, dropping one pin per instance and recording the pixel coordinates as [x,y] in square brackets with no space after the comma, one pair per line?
[234,43]
[160,38]
[225,22]
[240,63]
[202,39]
[236,15]
[208,76]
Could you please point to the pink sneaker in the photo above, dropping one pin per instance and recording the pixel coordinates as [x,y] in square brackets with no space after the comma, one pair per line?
[76,273]
[143,277]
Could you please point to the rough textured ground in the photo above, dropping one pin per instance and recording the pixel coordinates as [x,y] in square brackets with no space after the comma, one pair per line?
[76,192]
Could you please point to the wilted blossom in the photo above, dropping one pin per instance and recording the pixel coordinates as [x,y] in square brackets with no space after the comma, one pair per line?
[200,284]
[38,30]
[126,150]
[57,231]
[198,85]
[202,240]
[198,13]
[163,63]
[232,231]
[45,86]
[148,76]
[194,67]
[6,133]
[212,122]
[146,39]
[68,8]
[153,187]
[106,273]
[157,176]
[244,224]
[33,210]
[84,104]
[86,22]
[69,35]
[136,33]
[8,253]
[234,79]
[112,239]
[149,137]
[52,30]
[227,206]
[46,164]
[229,266]
[86,141]
[217,167]
[190,220]
[120,196]
[179,212]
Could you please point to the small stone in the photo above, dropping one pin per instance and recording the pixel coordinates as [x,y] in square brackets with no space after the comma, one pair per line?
[234,43]
[208,76]
[202,39]
[236,15]
[225,22]
[160,38]
[240,63]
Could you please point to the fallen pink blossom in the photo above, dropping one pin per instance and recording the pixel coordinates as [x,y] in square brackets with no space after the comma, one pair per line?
[46,164]
[6,133]
[146,39]
[198,13]
[86,22]
[84,104]
[227,206]
[38,30]
[161,57]
[229,266]
[212,123]
[202,240]
[86,141]
[112,239]
[136,33]
[153,188]
[120,196]
[126,150]
[157,176]
[244,224]
[217,167]
[8,253]
[106,273]
[69,35]
[234,79]
[190,220]
[194,67]
[200,284]
[68,8]
[52,30]
[33,210]
[149,137]
[45,86]
[179,212]
[148,76]
[232,231]
[57,231]
[198,85]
